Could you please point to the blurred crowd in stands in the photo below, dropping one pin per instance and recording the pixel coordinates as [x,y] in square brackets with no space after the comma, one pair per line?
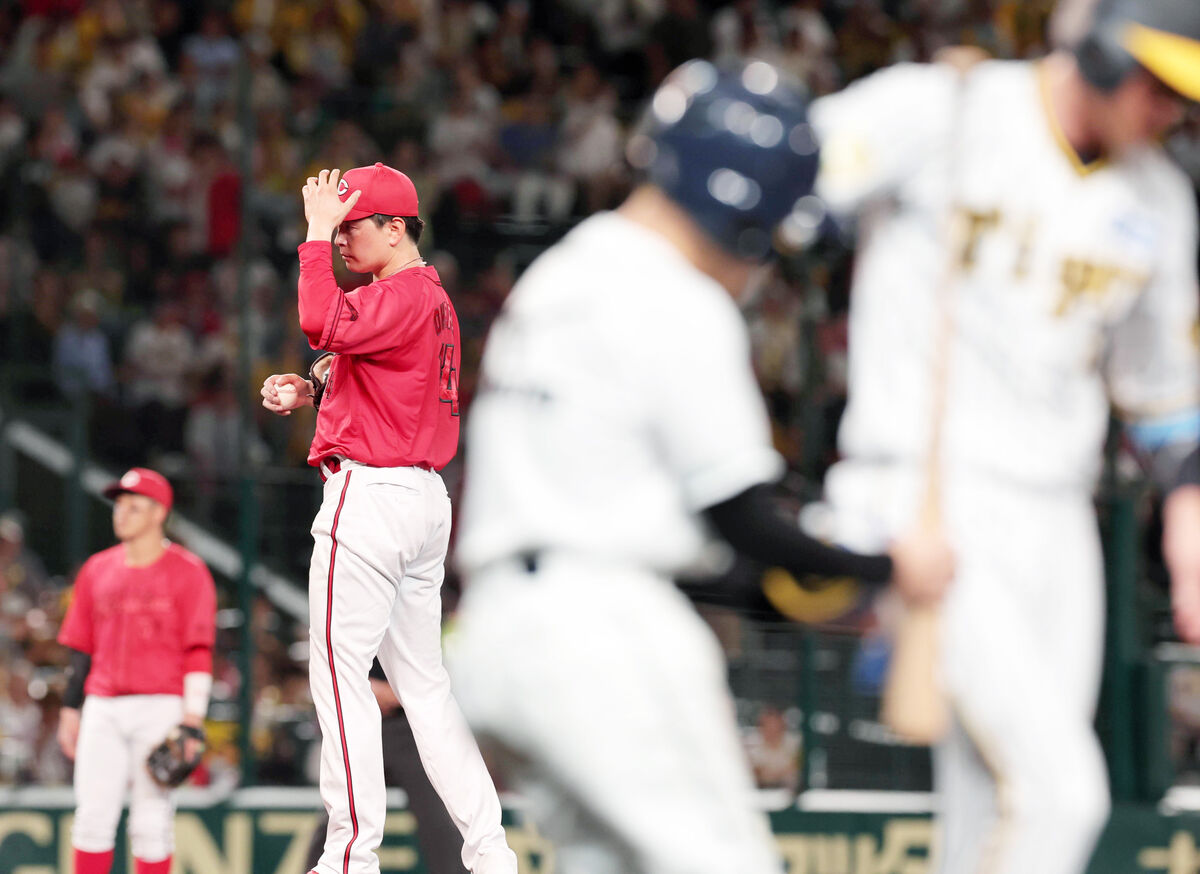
[152,153]
[146,143]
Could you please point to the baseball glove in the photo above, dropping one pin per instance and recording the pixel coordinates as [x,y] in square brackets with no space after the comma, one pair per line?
[318,375]
[168,763]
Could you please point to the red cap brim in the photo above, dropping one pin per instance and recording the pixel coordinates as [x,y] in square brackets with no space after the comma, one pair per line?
[357,213]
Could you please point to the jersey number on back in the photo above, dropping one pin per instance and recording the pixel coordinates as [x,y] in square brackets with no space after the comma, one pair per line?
[449,378]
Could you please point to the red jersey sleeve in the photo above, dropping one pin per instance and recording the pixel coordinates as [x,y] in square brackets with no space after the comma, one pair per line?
[198,609]
[370,319]
[78,629]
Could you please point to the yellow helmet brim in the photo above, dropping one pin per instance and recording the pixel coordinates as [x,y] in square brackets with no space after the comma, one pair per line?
[1172,59]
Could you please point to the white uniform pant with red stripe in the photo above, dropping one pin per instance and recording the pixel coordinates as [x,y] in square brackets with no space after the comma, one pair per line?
[115,736]
[375,583]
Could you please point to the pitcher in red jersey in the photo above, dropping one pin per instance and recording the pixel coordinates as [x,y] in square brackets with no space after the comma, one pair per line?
[386,393]
[140,627]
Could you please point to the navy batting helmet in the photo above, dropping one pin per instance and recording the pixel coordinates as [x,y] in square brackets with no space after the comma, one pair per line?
[734,148]
[1163,36]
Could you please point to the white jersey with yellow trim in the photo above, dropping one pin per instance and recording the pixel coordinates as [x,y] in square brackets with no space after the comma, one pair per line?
[1073,284]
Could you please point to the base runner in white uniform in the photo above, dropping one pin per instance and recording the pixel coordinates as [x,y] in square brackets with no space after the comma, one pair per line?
[1073,287]
[618,417]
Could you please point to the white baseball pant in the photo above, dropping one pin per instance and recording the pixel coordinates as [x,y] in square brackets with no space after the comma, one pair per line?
[115,736]
[1021,779]
[609,694]
[375,582]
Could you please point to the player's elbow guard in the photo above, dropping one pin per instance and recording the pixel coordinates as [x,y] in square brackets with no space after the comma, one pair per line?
[1170,449]
[1189,470]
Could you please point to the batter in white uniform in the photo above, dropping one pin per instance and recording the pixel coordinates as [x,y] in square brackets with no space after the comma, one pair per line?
[1074,286]
[618,417]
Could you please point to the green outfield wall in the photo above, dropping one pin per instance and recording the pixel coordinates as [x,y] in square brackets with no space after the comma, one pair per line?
[225,839]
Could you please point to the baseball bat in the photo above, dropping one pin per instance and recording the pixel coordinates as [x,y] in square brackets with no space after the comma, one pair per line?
[914,704]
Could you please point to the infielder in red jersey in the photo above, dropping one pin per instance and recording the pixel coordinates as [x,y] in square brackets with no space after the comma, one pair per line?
[141,627]
[387,421]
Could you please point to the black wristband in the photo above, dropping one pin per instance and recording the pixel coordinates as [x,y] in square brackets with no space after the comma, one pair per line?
[76,674]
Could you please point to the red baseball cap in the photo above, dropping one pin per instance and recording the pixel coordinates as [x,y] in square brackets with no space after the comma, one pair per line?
[385,190]
[143,481]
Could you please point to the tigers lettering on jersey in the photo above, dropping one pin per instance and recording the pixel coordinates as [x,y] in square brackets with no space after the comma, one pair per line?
[1080,277]
[1059,277]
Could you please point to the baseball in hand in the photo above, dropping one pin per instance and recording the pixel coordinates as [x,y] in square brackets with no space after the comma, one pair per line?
[287,395]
